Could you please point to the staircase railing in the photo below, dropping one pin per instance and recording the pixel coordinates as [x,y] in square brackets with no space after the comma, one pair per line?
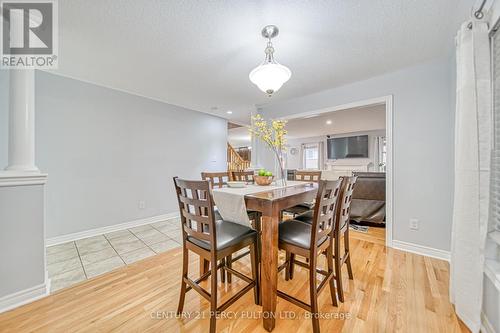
[234,161]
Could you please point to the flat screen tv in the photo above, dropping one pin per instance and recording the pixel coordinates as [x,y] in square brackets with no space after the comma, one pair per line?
[347,147]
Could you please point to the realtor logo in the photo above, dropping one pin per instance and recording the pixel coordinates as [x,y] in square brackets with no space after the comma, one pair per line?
[29,34]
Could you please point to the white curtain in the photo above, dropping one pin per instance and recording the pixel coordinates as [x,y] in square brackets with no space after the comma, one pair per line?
[302,157]
[321,155]
[376,153]
[378,145]
[472,161]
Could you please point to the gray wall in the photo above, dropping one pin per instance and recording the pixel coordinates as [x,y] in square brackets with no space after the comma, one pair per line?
[22,262]
[423,143]
[106,150]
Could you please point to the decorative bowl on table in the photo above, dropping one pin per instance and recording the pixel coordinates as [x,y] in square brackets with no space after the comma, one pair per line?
[236,184]
[263,180]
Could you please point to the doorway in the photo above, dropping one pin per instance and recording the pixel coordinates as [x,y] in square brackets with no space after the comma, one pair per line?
[320,139]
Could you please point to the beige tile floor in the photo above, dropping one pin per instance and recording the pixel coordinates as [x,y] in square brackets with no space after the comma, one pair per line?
[73,262]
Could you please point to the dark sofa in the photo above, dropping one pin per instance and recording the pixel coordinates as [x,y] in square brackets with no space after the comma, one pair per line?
[368,203]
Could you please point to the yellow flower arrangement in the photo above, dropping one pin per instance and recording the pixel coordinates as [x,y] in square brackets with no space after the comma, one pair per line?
[273,134]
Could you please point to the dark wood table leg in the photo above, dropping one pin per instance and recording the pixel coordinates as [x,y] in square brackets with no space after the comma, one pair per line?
[269,266]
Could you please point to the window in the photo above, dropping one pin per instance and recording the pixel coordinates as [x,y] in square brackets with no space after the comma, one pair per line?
[311,156]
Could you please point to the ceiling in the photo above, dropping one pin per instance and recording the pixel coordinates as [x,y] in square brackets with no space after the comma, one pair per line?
[198,54]
[338,122]
[366,118]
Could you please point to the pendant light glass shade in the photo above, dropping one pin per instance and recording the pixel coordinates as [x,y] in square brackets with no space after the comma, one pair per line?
[269,77]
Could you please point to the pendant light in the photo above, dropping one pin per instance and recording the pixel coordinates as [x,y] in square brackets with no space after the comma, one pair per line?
[270,76]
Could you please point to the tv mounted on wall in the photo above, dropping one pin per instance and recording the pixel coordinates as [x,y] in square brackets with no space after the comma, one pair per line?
[347,147]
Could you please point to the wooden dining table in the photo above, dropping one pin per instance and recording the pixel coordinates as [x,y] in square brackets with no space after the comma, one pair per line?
[270,204]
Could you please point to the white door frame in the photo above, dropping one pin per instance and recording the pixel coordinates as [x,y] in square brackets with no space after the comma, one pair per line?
[389,185]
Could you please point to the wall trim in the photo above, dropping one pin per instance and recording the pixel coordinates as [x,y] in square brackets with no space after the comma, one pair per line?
[103,230]
[10,178]
[422,250]
[486,326]
[22,297]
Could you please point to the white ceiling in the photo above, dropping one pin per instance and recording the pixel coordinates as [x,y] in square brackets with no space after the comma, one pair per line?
[367,118]
[338,122]
[198,54]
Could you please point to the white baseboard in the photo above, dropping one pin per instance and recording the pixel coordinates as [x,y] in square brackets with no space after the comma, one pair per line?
[116,227]
[22,297]
[422,250]
[486,326]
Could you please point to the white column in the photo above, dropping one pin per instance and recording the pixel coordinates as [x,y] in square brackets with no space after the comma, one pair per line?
[22,201]
[22,121]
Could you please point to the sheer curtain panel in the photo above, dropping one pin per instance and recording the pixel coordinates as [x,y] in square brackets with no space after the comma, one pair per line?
[472,163]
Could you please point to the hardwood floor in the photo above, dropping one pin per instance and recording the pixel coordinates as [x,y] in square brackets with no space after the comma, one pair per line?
[392,291]
[374,235]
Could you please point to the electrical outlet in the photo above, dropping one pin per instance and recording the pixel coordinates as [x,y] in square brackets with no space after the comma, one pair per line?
[142,204]
[414,224]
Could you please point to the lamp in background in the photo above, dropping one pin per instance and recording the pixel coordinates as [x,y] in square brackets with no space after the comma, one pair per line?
[270,76]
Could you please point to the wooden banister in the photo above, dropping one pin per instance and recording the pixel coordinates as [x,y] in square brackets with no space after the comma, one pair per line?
[234,161]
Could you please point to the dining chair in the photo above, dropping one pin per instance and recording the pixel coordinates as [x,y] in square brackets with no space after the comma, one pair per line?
[341,231]
[219,180]
[310,240]
[304,175]
[308,175]
[212,240]
[243,176]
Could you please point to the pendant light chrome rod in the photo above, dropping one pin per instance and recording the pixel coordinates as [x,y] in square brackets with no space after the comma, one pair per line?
[269,32]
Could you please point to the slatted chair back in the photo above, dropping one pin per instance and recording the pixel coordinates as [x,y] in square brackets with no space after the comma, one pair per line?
[304,175]
[216,179]
[344,208]
[196,209]
[243,176]
[325,209]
